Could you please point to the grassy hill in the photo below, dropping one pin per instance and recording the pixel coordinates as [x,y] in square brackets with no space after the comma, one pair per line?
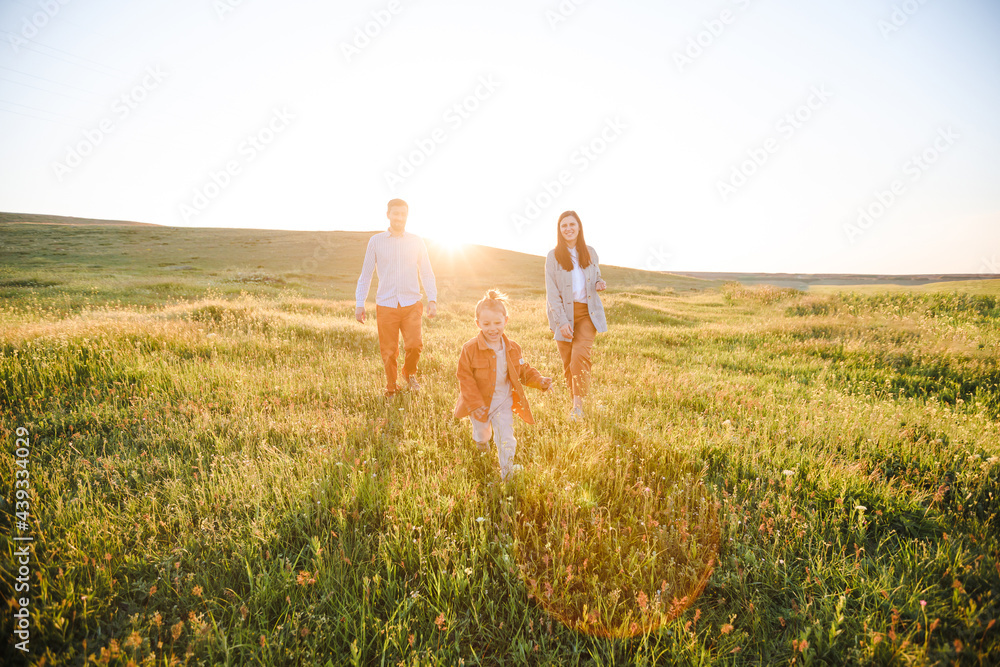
[149,263]
[210,474]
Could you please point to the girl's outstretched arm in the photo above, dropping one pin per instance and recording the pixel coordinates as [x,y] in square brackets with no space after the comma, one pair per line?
[530,377]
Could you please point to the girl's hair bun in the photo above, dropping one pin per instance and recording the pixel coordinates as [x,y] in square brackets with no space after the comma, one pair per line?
[495,300]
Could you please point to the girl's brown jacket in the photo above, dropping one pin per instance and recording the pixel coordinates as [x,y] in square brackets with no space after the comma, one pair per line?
[477,377]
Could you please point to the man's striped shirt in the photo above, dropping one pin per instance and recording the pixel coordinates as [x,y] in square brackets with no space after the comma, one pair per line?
[402,265]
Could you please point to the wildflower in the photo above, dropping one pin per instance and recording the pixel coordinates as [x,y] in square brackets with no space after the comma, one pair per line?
[643,600]
[439,621]
[726,629]
[860,508]
[197,591]
[787,473]
[133,641]
[176,629]
[923,603]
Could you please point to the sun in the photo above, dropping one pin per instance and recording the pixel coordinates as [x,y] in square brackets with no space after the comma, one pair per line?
[450,244]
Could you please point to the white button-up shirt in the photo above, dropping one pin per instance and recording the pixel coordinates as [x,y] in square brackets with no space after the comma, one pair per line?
[402,265]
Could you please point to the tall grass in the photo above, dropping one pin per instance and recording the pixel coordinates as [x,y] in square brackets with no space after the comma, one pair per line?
[763,478]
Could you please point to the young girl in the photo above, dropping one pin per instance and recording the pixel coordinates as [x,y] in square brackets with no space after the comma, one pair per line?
[491,378]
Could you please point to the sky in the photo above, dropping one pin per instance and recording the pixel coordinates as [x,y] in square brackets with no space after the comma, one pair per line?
[832,136]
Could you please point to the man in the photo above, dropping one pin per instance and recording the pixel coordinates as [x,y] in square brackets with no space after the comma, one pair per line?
[402,263]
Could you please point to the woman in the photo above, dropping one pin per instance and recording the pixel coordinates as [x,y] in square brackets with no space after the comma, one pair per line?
[575,312]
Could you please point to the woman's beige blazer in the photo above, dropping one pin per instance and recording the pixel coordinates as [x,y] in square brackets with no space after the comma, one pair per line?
[559,294]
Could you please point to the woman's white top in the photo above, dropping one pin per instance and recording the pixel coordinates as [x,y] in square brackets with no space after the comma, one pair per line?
[579,282]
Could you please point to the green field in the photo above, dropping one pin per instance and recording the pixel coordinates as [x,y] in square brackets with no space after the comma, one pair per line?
[765,476]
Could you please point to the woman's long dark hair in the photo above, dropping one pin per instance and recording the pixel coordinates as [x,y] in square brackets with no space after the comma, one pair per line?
[562,250]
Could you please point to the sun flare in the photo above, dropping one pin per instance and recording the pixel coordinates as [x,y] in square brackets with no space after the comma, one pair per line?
[449,244]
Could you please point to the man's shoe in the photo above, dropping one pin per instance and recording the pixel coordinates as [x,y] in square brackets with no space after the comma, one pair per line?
[412,384]
[390,392]
[483,447]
